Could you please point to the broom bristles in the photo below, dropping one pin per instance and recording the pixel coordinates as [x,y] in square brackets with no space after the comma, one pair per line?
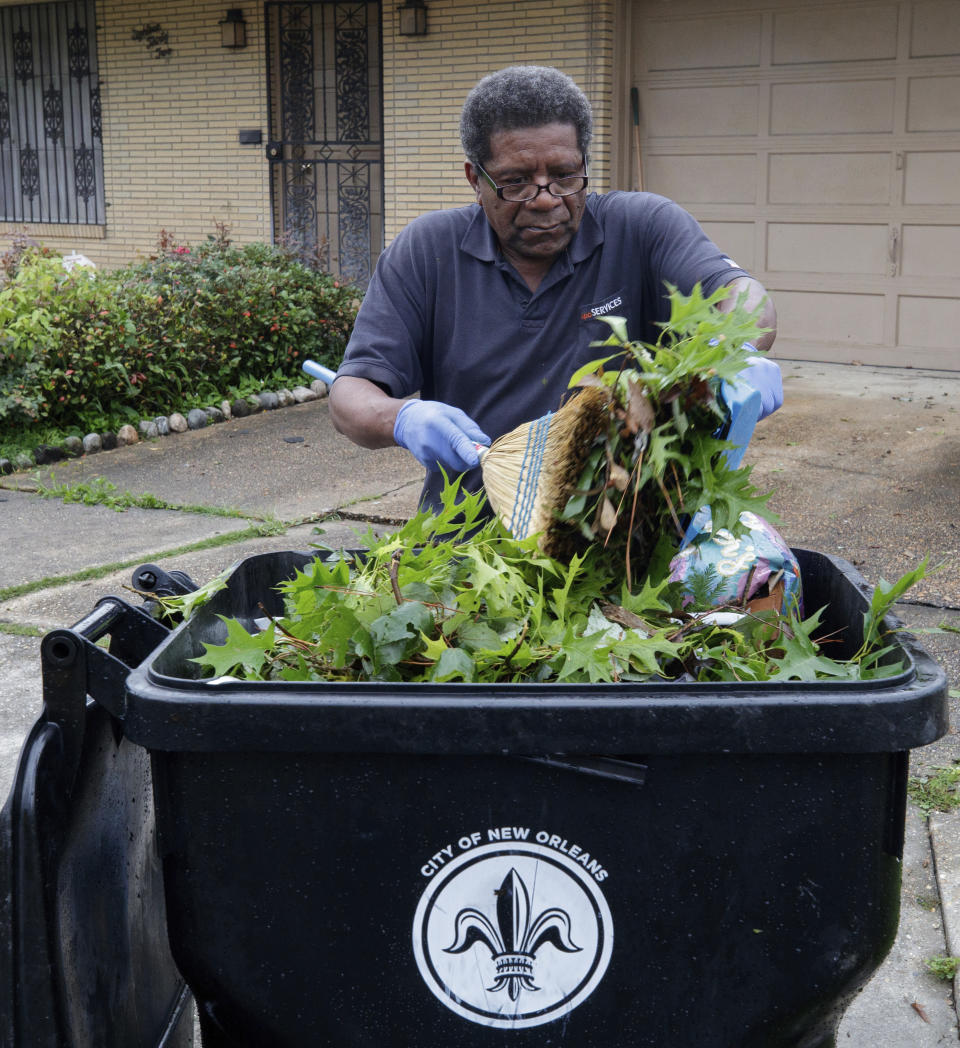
[530,472]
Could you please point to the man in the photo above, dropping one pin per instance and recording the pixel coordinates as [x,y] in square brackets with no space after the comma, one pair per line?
[487,310]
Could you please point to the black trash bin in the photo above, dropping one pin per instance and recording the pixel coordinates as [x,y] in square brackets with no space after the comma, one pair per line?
[658,865]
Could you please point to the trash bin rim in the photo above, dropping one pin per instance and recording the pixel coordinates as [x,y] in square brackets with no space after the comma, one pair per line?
[360,718]
[534,693]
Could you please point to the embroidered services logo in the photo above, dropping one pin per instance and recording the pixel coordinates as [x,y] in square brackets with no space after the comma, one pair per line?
[603,310]
[512,934]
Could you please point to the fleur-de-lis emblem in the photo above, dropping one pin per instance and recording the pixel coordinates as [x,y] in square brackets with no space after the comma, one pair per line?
[515,940]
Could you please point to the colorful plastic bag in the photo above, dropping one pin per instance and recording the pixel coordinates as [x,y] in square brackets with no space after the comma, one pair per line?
[755,569]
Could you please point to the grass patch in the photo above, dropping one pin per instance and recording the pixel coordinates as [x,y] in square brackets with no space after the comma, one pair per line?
[938,630]
[943,967]
[17,629]
[101,492]
[259,530]
[937,791]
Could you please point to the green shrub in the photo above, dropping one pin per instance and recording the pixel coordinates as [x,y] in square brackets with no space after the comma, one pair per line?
[65,341]
[84,349]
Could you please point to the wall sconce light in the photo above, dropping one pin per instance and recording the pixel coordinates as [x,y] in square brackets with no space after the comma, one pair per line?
[413,18]
[233,30]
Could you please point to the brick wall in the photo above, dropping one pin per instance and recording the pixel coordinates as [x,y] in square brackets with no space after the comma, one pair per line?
[172,160]
[427,78]
[171,156]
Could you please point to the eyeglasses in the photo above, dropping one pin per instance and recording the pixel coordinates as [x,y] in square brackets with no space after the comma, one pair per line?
[524,192]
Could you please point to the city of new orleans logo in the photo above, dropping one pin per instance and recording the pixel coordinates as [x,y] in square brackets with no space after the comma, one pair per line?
[516,939]
[512,935]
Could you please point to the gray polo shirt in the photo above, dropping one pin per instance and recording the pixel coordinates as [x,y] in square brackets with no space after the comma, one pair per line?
[448,316]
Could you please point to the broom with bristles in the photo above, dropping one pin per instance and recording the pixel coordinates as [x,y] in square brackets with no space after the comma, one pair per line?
[531,472]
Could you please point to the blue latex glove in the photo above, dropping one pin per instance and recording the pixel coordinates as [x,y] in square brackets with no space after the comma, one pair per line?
[764,375]
[434,432]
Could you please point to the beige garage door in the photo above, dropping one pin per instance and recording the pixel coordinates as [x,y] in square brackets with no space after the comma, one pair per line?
[819,145]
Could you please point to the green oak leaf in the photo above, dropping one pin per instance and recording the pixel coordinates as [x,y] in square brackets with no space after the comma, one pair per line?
[453,664]
[241,651]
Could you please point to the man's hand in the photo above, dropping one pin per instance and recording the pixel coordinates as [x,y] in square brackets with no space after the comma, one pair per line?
[764,375]
[434,432]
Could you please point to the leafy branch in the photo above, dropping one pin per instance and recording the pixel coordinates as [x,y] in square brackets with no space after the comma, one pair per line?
[661,458]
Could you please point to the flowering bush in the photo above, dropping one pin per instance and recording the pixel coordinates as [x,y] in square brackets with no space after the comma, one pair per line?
[84,348]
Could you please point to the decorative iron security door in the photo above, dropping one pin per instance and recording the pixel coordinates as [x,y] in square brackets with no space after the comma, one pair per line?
[326,131]
[51,148]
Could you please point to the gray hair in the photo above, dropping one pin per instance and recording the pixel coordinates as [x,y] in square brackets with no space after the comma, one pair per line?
[521,97]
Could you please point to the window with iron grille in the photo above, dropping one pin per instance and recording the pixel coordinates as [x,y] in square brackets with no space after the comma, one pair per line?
[51,146]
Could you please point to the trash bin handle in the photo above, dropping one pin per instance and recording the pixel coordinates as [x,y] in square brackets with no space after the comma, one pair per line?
[115,617]
[97,623]
[74,667]
[149,578]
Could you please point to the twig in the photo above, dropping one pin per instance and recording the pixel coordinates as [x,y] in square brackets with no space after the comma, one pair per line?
[394,570]
[633,515]
[623,617]
[297,642]
[520,639]
[748,582]
[676,481]
[669,501]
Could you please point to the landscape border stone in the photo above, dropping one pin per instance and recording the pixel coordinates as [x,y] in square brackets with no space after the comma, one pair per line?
[163,425]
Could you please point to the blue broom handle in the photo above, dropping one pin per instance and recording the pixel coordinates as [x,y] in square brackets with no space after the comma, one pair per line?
[319,371]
